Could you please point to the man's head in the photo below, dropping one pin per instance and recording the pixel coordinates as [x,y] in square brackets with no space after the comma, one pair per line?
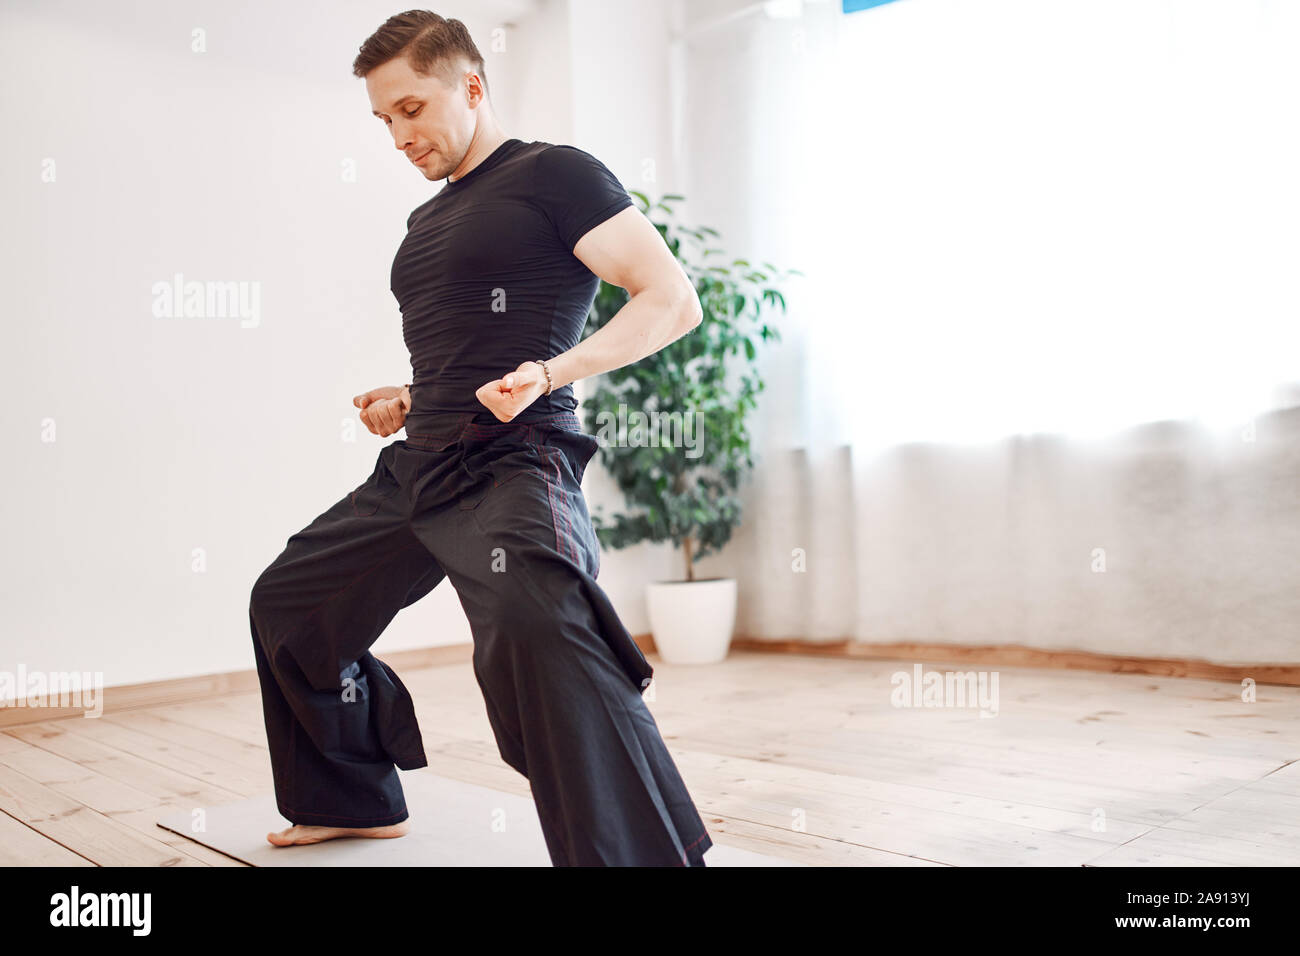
[426,82]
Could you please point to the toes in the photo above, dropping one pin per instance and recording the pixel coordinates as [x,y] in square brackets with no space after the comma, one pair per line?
[285,837]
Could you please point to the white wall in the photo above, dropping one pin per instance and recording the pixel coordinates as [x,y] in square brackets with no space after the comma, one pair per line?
[531,78]
[185,452]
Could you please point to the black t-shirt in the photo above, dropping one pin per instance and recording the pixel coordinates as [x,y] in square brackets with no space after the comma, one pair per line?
[486,277]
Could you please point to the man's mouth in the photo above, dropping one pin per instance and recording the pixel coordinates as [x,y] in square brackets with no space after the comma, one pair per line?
[419,159]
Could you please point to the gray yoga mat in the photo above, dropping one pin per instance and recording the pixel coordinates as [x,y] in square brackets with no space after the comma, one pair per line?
[453,823]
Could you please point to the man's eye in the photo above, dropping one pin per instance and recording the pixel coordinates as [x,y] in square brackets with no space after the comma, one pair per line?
[405,113]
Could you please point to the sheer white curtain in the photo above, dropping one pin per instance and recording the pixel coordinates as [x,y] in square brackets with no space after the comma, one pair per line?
[1046,215]
[1026,225]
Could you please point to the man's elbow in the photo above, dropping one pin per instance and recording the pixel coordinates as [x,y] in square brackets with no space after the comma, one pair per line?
[690,311]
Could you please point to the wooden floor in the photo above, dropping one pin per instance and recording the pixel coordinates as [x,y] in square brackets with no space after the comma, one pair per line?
[797,756]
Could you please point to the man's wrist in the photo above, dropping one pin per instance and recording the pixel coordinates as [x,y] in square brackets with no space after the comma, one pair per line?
[562,371]
[547,375]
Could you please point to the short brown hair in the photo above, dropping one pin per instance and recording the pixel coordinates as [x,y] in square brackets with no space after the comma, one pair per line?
[432,43]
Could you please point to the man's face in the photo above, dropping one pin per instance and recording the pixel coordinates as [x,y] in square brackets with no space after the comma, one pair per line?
[431,122]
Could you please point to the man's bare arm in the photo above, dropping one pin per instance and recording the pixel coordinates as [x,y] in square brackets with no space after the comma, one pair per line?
[627,251]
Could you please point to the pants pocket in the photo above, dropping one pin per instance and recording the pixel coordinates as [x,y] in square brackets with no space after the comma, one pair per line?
[496,467]
[577,448]
[371,494]
[575,536]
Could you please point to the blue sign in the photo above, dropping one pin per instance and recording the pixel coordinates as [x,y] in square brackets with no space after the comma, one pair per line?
[852,6]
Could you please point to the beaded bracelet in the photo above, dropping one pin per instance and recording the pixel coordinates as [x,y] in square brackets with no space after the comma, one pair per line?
[542,363]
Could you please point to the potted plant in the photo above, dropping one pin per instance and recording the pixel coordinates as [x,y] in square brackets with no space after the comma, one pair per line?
[673,435]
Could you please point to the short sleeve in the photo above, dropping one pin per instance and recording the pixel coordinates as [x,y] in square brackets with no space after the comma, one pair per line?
[577,192]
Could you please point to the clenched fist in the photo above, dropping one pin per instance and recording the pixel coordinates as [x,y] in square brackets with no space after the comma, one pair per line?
[383,410]
[509,395]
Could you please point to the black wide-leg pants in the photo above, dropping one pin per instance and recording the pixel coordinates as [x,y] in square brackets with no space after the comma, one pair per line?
[498,509]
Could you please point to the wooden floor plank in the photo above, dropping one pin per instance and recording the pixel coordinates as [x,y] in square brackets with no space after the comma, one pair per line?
[800,756]
[20,845]
[110,763]
[250,758]
[114,783]
[203,765]
[93,835]
[142,802]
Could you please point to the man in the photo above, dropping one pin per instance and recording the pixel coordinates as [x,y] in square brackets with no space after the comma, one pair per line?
[495,278]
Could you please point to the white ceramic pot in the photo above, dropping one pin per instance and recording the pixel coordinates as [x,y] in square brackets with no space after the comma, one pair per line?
[692,621]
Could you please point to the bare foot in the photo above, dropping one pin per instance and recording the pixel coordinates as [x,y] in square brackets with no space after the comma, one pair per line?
[300,835]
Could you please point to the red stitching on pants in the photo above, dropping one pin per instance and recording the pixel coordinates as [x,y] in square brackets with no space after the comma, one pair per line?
[685,859]
[559,515]
[564,514]
[555,519]
[696,840]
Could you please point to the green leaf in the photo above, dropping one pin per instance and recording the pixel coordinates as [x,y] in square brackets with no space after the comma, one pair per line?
[706,373]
